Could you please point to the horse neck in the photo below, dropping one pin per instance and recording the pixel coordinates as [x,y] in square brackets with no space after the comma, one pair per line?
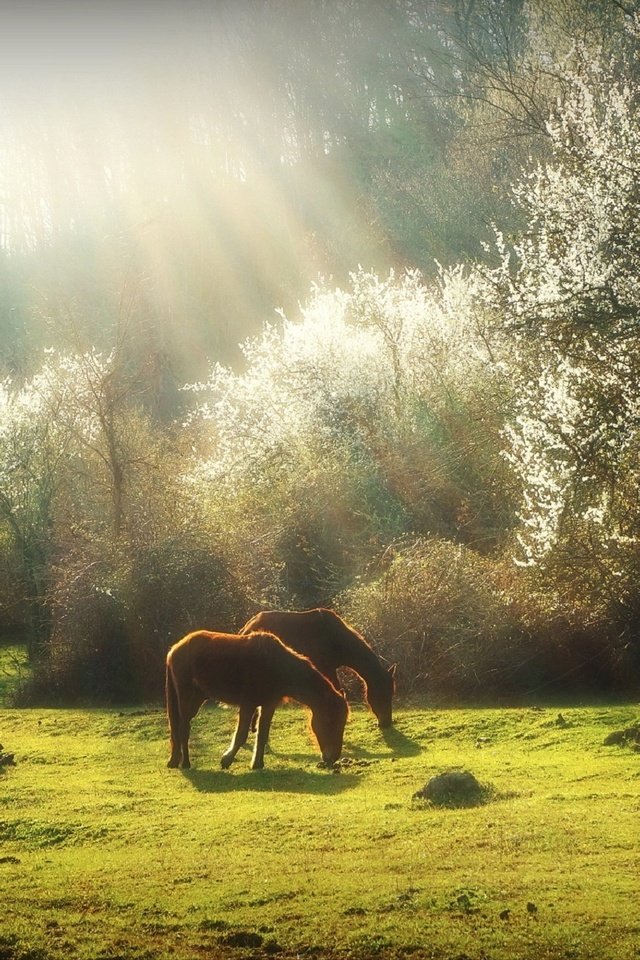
[358,655]
[306,684]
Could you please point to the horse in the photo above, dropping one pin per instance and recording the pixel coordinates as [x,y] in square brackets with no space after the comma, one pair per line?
[249,671]
[325,638]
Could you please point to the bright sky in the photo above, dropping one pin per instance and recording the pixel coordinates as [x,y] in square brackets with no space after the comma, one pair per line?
[164,123]
[49,39]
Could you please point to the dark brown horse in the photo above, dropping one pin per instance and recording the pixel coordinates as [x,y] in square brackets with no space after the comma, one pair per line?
[256,670]
[323,637]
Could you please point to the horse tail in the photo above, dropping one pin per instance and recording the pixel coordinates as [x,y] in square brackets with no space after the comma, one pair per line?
[250,625]
[171,697]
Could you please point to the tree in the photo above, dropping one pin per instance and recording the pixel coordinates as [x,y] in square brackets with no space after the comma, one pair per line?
[66,446]
[568,288]
[375,414]
[34,447]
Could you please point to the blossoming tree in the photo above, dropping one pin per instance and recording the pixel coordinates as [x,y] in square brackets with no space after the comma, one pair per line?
[569,290]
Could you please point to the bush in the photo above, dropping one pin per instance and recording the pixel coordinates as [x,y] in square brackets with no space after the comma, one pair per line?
[114,618]
[436,611]
[462,626]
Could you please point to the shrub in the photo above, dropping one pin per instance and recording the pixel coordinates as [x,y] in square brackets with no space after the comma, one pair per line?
[116,614]
[463,626]
[437,611]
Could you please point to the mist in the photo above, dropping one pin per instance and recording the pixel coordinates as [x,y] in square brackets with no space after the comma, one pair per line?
[208,159]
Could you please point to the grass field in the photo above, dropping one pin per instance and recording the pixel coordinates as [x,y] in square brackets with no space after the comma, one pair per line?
[105,853]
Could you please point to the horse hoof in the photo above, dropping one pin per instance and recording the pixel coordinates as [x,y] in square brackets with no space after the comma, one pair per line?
[172,764]
[226,762]
[186,765]
[257,766]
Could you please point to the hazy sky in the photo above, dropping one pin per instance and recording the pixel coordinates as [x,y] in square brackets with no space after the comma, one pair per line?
[182,132]
[46,41]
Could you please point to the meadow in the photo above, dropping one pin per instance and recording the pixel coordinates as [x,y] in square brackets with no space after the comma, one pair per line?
[106,853]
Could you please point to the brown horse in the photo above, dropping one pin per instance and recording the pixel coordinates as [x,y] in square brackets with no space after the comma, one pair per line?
[323,637]
[256,670]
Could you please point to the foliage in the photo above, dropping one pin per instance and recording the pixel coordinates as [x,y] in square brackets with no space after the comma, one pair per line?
[449,455]
[34,445]
[384,387]
[438,611]
[115,614]
[110,554]
[466,627]
[567,289]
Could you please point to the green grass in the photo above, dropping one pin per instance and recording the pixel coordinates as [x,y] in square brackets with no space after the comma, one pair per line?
[105,853]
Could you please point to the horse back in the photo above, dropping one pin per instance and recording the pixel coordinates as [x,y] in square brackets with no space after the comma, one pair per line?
[319,634]
[228,667]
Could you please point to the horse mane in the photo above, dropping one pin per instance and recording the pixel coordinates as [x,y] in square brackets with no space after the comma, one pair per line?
[269,637]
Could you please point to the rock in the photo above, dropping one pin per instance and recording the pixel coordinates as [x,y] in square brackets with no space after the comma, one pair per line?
[457,788]
[243,938]
[272,948]
[630,736]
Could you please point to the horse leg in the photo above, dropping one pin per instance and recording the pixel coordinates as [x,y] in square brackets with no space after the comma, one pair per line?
[172,699]
[264,724]
[254,720]
[240,736]
[176,750]
[254,726]
[175,734]
[190,704]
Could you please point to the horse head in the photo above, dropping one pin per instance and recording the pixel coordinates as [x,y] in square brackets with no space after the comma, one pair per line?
[380,696]
[328,720]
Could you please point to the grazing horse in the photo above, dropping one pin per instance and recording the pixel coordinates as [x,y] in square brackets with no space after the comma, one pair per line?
[251,671]
[323,637]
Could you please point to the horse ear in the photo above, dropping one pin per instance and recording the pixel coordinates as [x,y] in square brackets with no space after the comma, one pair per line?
[392,669]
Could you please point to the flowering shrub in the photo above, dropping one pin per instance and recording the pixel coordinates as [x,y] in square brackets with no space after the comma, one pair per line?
[383,388]
[568,290]
[392,449]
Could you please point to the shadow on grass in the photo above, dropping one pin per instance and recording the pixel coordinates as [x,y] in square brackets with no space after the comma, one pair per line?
[319,782]
[400,743]
[394,745]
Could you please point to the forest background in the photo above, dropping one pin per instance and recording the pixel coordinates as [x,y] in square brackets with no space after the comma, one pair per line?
[322,303]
